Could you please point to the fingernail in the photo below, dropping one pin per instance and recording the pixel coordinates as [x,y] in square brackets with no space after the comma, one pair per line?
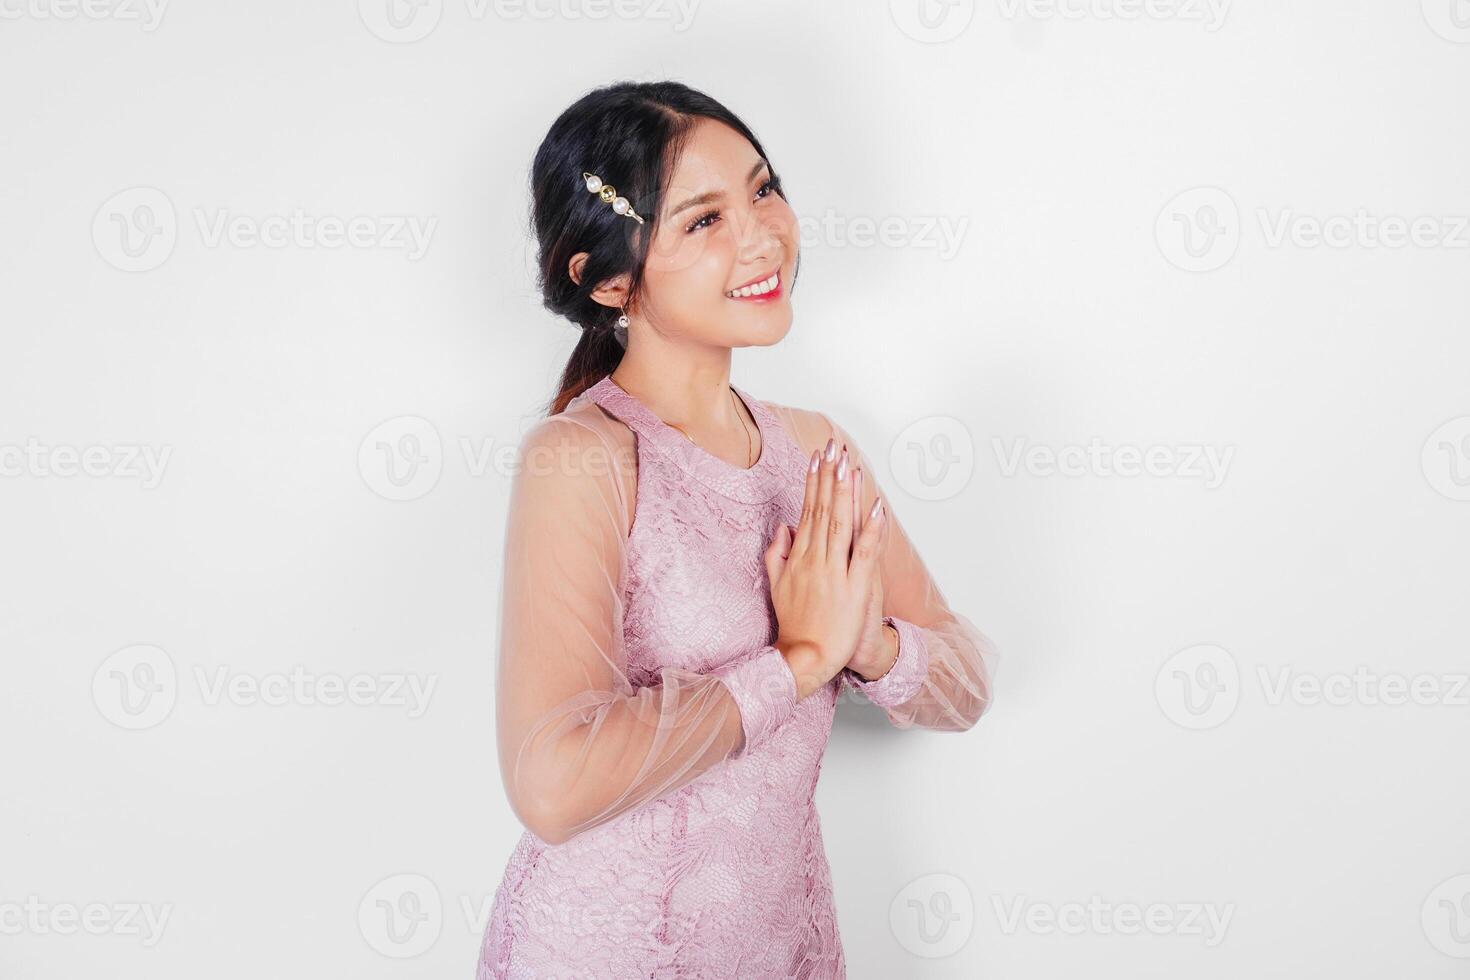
[830,451]
[816,461]
[842,467]
[876,509]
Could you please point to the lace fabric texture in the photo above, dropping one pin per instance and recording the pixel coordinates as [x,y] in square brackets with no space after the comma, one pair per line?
[649,734]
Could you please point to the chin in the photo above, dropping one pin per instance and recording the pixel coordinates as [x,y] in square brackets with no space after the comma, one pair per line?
[767,331]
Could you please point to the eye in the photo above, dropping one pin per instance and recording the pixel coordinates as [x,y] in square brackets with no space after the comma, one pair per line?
[699,222]
[713,215]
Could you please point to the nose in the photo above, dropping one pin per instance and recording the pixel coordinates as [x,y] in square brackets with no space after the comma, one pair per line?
[760,238]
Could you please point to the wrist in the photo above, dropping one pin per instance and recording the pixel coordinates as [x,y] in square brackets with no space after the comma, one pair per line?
[887,657]
[804,660]
[906,678]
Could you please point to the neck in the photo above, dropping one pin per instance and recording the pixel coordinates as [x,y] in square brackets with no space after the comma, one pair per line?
[689,392]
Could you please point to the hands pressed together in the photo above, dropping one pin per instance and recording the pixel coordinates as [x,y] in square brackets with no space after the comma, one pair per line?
[825,582]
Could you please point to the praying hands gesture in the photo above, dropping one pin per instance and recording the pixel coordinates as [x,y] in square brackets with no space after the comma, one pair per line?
[825,585]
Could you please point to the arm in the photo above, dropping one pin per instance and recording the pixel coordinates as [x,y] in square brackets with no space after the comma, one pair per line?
[942,677]
[580,739]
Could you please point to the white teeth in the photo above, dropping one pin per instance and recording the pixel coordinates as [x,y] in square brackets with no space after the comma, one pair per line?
[758,289]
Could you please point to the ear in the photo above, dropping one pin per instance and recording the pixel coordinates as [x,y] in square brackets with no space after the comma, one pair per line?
[611,292]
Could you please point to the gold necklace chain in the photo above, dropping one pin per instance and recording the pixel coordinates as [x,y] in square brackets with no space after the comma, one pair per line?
[749,444]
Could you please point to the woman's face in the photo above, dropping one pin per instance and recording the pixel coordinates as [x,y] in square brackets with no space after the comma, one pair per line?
[723,226]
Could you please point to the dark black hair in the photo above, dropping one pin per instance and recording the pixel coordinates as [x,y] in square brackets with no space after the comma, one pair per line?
[630,134]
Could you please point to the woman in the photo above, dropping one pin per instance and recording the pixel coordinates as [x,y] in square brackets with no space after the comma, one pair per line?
[691,575]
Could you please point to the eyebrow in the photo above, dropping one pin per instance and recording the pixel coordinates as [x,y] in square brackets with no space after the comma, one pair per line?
[716,195]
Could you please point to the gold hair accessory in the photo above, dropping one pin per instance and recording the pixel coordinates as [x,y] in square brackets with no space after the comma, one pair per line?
[609,195]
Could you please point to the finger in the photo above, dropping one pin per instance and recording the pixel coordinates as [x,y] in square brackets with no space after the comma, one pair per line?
[857,503]
[822,509]
[839,543]
[865,549]
[803,537]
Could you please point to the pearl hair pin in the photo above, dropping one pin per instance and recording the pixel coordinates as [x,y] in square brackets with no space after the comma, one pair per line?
[609,195]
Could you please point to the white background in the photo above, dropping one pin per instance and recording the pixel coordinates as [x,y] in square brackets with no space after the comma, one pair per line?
[1140,752]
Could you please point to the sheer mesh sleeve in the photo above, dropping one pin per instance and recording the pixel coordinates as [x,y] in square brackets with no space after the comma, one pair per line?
[943,675]
[580,740]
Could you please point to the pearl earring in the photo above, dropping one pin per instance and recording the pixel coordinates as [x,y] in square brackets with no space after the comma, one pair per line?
[620,332]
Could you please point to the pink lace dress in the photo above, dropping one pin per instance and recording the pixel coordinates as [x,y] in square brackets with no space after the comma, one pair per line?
[649,734]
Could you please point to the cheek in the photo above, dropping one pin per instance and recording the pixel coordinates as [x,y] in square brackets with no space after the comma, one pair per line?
[784,225]
[695,263]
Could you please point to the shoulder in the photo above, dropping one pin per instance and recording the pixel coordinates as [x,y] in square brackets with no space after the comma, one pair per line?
[809,428]
[583,425]
[580,447]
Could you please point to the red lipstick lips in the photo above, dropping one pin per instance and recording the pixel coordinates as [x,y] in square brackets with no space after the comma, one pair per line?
[774,293]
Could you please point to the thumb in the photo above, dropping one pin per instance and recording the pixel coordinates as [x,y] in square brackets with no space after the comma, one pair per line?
[776,553]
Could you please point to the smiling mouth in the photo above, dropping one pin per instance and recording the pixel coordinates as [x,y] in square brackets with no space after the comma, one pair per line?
[767,288]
